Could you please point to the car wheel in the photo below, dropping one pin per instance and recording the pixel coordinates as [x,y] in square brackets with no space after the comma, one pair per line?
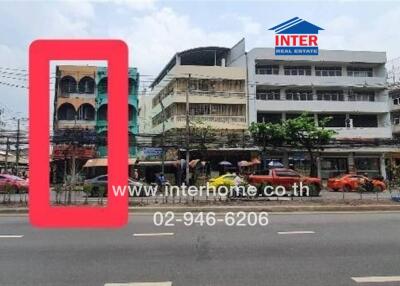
[346,188]
[315,190]
[94,192]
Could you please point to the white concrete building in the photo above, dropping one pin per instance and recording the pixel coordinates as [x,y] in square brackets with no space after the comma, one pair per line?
[349,86]
[217,93]
[230,88]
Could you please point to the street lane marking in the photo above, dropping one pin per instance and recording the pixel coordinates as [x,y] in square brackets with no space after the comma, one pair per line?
[297,232]
[154,234]
[11,236]
[168,283]
[376,279]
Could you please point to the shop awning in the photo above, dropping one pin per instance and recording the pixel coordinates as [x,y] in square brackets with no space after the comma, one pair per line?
[103,162]
[158,163]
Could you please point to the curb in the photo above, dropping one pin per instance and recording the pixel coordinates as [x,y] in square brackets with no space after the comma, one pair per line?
[258,208]
[271,209]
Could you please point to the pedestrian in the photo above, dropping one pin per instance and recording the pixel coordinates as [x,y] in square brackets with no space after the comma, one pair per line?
[135,175]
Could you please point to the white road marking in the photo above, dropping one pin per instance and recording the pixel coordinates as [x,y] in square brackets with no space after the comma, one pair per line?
[11,236]
[297,232]
[168,283]
[376,279]
[154,234]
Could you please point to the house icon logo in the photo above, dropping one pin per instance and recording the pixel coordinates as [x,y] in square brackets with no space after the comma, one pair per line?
[296,37]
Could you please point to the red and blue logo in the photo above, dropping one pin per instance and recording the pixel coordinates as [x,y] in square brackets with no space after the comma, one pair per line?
[296,37]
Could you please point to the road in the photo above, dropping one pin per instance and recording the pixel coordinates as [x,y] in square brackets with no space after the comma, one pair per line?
[294,249]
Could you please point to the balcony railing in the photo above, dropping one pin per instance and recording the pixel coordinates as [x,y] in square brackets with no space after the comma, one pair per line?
[75,124]
[211,118]
[213,93]
[77,94]
[223,94]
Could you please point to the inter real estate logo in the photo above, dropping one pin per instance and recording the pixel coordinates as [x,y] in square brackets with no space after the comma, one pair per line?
[296,37]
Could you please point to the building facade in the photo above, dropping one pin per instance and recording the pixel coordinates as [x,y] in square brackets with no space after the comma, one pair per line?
[80,113]
[74,101]
[348,86]
[102,107]
[216,93]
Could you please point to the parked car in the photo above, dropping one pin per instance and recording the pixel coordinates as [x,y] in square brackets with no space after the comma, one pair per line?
[227,180]
[16,183]
[286,178]
[352,182]
[102,181]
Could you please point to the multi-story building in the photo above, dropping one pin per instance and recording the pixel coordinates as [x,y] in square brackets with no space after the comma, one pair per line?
[102,104]
[80,109]
[216,92]
[394,97]
[348,86]
[74,101]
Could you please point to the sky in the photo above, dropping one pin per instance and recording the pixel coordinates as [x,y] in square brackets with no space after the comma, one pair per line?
[155,30]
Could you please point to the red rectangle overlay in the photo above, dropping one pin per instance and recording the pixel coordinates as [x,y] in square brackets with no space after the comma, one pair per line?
[41,52]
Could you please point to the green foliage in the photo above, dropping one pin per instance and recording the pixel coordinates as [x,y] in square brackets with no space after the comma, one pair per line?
[87,188]
[302,132]
[201,133]
[268,134]
[299,132]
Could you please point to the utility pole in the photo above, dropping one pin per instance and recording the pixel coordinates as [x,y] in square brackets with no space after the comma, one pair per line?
[17,148]
[187,131]
[7,150]
[163,136]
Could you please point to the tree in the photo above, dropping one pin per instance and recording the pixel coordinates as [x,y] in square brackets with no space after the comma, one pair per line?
[201,134]
[268,134]
[302,132]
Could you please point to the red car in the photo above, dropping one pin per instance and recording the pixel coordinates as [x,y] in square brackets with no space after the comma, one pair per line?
[17,184]
[351,182]
[286,178]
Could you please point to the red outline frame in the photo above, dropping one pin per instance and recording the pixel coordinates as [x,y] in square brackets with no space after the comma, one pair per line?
[41,52]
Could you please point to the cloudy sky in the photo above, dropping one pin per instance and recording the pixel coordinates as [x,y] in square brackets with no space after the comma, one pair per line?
[156,30]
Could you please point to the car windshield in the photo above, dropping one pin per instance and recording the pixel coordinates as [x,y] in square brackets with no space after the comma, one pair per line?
[14,178]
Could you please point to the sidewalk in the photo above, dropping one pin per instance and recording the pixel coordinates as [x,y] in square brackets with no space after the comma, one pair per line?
[296,206]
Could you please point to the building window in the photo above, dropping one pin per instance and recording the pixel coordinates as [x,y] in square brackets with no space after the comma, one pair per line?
[359,72]
[364,120]
[332,167]
[299,95]
[328,71]
[362,96]
[269,117]
[336,120]
[297,70]
[68,84]
[86,85]
[330,95]
[199,109]
[396,119]
[203,84]
[273,94]
[86,112]
[267,69]
[368,166]
[396,101]
[66,111]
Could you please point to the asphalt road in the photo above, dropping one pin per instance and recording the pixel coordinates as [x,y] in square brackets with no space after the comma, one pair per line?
[294,249]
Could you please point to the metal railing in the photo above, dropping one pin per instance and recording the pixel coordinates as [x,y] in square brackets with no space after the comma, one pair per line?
[211,118]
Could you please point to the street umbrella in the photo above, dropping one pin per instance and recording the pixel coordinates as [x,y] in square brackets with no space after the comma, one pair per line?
[244,164]
[275,164]
[225,163]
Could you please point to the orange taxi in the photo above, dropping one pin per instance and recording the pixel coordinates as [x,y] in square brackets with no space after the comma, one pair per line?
[351,182]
